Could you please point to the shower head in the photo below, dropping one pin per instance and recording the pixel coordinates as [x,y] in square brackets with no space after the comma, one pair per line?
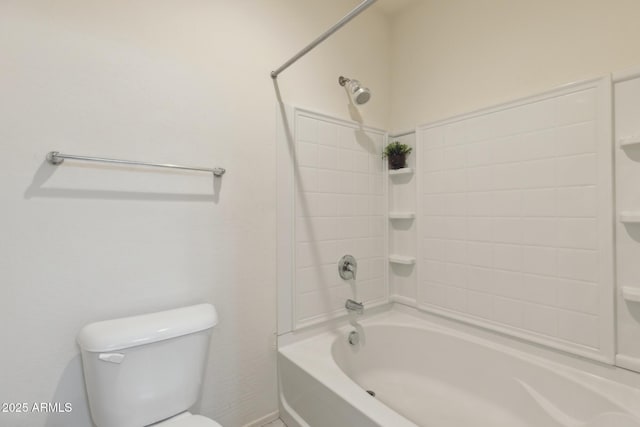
[358,93]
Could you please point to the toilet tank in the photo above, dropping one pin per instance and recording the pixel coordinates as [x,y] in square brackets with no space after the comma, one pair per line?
[143,369]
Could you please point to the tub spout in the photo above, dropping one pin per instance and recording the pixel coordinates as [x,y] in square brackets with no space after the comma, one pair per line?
[354,306]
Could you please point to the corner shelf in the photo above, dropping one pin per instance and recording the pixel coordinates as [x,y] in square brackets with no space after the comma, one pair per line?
[403,171]
[630,217]
[629,141]
[402,259]
[402,215]
[631,293]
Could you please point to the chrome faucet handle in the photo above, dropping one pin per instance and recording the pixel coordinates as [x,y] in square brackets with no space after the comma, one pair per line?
[347,267]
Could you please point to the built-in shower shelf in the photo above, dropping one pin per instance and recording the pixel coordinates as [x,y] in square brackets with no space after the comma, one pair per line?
[630,217]
[402,215]
[403,171]
[629,141]
[402,259]
[631,294]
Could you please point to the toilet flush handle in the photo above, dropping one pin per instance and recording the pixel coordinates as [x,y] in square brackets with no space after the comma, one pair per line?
[111,357]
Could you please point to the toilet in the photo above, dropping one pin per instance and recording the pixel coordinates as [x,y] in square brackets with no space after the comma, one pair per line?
[147,370]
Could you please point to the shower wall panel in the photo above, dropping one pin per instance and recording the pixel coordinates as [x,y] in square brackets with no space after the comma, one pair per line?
[515,219]
[340,208]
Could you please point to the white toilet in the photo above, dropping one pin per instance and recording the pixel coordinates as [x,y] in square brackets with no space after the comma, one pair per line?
[147,370]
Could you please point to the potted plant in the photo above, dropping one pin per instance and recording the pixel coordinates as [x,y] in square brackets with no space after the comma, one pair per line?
[397,154]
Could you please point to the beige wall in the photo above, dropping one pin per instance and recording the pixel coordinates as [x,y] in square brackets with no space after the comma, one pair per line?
[453,56]
[185,82]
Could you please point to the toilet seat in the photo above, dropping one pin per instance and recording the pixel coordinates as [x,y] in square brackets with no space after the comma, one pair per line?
[187,419]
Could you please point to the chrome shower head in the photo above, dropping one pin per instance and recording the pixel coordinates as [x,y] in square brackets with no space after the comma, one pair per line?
[358,93]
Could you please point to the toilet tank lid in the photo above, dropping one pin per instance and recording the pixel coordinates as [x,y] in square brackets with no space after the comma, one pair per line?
[134,331]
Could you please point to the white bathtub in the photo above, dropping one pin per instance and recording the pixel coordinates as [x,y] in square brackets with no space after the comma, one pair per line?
[430,375]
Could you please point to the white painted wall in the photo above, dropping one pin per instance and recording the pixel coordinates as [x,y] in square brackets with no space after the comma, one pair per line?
[454,56]
[182,82]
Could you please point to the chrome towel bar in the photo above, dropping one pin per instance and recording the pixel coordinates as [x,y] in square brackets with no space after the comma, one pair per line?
[56,158]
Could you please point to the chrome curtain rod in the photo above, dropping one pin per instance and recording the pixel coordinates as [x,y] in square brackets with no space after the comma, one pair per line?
[56,158]
[355,12]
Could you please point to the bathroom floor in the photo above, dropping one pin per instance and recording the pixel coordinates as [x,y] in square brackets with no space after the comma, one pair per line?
[276,423]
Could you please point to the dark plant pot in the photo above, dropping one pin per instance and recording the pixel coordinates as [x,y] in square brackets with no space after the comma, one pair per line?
[397,161]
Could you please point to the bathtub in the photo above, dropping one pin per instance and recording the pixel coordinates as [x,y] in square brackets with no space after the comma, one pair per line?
[432,373]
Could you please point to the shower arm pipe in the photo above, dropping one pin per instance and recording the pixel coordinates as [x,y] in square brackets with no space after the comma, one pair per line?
[348,17]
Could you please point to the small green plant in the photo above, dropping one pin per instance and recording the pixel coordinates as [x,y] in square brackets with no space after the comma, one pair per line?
[396,148]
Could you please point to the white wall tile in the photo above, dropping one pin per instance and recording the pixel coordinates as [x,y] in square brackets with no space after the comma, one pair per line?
[541,319]
[540,260]
[456,299]
[434,293]
[576,139]
[479,229]
[578,296]
[507,257]
[540,202]
[346,138]
[454,158]
[478,154]
[345,160]
[481,279]
[307,129]
[480,179]
[507,230]
[433,204]
[576,107]
[455,251]
[480,304]
[507,176]
[579,328]
[433,249]
[307,179]
[538,173]
[329,181]
[327,133]
[480,204]
[577,170]
[538,145]
[581,233]
[457,274]
[455,204]
[540,231]
[577,201]
[507,203]
[340,209]
[538,289]
[480,254]
[508,311]
[506,150]
[453,181]
[578,264]
[307,154]
[519,243]
[455,228]
[360,183]
[360,162]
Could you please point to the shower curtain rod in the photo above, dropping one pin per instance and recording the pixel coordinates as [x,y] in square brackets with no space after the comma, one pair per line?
[348,17]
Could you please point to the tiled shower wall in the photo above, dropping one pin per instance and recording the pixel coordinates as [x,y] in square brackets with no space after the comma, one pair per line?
[515,220]
[339,209]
